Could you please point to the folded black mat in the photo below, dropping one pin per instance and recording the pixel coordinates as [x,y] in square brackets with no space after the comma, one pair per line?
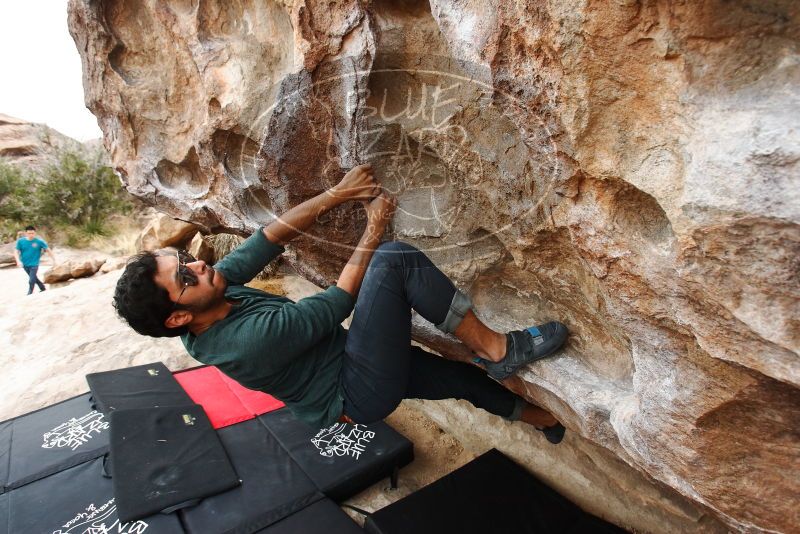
[491,494]
[5,453]
[165,458]
[78,500]
[4,514]
[343,459]
[51,439]
[142,386]
[322,517]
[273,486]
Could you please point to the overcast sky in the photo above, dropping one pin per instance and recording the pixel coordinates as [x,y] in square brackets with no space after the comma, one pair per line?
[40,69]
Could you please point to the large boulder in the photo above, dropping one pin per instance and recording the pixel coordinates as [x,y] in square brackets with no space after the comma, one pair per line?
[86,267]
[7,254]
[630,168]
[165,231]
[201,249]
[78,268]
[112,264]
[58,273]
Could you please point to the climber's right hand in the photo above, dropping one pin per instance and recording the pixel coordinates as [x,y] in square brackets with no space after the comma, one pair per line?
[358,184]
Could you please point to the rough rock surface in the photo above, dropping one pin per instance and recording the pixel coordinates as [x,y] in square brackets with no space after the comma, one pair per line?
[84,268]
[201,249]
[33,145]
[7,254]
[165,231]
[630,168]
[58,273]
[112,264]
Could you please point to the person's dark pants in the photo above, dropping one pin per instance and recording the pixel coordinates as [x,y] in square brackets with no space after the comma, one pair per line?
[33,280]
[381,367]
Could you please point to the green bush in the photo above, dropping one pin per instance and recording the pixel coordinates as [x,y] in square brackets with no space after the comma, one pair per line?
[13,190]
[81,193]
[73,197]
[15,200]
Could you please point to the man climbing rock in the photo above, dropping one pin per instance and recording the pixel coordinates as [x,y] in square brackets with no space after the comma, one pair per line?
[299,352]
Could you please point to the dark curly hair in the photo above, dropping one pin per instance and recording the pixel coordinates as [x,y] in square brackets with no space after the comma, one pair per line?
[143,304]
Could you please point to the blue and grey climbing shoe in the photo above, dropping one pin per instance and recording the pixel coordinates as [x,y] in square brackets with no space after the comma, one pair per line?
[526,346]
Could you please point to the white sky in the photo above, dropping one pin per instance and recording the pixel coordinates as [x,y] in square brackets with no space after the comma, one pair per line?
[40,69]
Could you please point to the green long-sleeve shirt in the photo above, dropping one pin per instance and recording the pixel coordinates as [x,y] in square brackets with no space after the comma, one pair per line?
[291,350]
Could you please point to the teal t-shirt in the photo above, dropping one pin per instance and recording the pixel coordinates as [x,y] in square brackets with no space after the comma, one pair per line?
[291,350]
[30,250]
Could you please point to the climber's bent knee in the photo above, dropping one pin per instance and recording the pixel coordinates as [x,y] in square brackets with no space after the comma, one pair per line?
[459,307]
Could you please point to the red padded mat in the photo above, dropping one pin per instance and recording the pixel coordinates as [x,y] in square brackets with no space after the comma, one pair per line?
[206,388]
[256,402]
[223,399]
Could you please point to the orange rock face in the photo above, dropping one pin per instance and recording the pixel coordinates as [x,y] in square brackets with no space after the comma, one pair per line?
[629,168]
[33,146]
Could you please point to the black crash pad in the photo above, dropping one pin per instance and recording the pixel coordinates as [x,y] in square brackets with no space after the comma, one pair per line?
[4,513]
[273,486]
[322,517]
[51,439]
[165,458]
[344,459]
[489,495]
[77,500]
[141,386]
[5,453]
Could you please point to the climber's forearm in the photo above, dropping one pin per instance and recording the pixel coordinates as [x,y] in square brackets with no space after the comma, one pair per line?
[353,273]
[300,218]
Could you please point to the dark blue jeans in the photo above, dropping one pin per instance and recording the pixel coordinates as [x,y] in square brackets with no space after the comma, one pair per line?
[33,280]
[381,367]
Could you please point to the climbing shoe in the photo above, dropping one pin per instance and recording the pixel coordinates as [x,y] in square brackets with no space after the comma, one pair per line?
[526,346]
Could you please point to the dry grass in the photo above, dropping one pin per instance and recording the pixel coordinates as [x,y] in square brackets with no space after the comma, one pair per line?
[121,238]
[223,244]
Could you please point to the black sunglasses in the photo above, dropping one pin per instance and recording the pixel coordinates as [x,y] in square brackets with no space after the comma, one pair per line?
[183,274]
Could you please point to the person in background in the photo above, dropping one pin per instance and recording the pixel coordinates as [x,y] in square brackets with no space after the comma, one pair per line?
[28,252]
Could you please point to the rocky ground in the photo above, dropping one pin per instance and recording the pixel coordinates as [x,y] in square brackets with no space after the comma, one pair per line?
[36,145]
[51,340]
